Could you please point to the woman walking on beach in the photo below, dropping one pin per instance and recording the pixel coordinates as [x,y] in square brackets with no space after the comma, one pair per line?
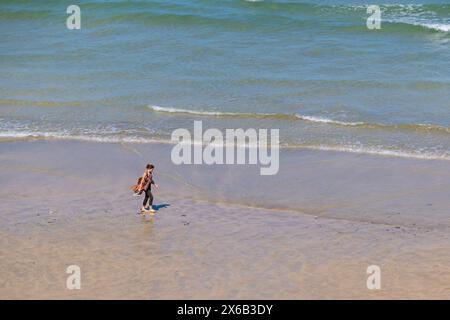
[145,185]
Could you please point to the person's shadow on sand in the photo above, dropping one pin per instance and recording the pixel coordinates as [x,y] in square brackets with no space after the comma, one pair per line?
[160,206]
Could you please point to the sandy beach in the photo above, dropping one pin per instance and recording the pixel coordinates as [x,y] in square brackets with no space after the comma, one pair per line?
[354,96]
[220,232]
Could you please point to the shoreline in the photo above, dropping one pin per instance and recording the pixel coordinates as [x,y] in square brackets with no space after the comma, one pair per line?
[37,136]
[220,233]
[359,173]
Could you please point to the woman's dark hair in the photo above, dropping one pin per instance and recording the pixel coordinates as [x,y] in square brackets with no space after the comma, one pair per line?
[149,166]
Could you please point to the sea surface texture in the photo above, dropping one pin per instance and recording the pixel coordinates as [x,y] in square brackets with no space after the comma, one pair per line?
[137,70]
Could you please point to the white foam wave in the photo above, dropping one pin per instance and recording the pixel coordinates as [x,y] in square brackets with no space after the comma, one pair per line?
[207,113]
[436,26]
[351,149]
[256,115]
[66,136]
[380,152]
[331,121]
[441,27]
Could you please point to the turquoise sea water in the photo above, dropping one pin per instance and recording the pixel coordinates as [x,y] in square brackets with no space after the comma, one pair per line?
[139,69]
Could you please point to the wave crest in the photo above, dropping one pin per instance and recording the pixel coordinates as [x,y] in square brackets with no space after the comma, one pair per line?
[306,118]
[280,116]
[377,151]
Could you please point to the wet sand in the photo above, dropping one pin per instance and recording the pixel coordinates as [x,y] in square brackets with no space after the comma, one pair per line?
[221,231]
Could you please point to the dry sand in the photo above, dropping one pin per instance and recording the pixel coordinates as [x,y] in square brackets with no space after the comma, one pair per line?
[220,232]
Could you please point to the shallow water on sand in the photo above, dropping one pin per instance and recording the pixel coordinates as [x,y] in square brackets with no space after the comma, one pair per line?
[222,239]
[407,192]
